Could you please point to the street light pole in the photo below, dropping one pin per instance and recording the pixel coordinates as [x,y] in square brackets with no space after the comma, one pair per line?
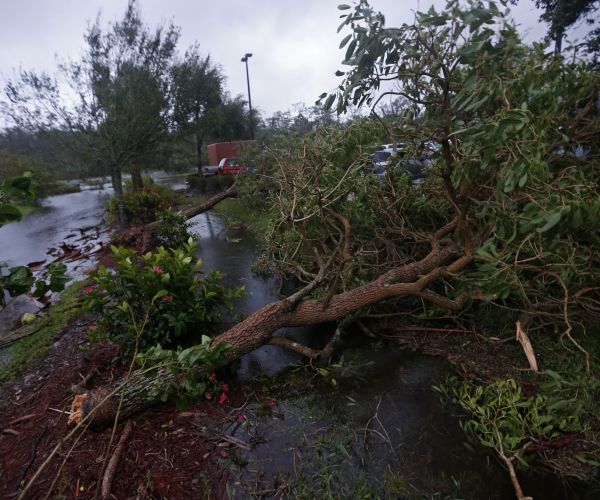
[245,60]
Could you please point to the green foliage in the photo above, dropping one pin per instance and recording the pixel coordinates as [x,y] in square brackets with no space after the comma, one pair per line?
[14,189]
[145,205]
[189,382]
[44,333]
[502,418]
[20,280]
[173,230]
[160,294]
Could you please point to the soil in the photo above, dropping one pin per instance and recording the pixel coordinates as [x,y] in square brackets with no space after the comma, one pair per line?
[169,454]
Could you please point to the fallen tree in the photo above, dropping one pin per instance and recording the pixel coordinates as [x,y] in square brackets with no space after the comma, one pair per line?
[142,237]
[445,259]
[501,230]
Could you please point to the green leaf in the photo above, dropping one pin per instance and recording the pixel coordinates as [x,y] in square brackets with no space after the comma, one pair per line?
[160,294]
[343,6]
[9,213]
[345,40]
[329,101]
[551,221]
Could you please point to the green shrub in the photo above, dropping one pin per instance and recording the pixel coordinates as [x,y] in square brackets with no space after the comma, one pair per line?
[157,299]
[144,206]
[197,182]
[209,184]
[504,419]
[173,231]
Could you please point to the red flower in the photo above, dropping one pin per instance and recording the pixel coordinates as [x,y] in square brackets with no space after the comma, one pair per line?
[241,418]
[167,298]
[158,270]
[208,395]
[223,398]
[272,404]
[224,387]
[89,289]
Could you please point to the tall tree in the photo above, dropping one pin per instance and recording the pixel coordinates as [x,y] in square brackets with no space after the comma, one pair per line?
[562,15]
[114,100]
[197,98]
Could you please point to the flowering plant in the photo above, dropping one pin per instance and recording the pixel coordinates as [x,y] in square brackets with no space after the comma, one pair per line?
[162,293]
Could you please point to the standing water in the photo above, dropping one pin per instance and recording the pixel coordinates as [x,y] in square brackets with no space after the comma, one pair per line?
[370,427]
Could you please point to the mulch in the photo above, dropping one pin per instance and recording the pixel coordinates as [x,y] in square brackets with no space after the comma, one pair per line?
[169,454]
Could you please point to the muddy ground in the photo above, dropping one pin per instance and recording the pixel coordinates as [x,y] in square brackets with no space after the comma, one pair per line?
[289,437]
[170,454]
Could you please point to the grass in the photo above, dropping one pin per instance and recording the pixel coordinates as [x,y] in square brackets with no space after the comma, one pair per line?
[238,212]
[33,347]
[26,209]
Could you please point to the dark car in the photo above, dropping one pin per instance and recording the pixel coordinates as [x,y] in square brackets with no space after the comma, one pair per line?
[413,167]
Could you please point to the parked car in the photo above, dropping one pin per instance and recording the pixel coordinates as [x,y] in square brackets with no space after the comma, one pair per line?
[210,170]
[384,164]
[231,166]
[413,167]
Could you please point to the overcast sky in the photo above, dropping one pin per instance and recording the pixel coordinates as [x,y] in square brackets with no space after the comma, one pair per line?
[294,43]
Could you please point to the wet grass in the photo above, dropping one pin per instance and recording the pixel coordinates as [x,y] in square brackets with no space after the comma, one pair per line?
[239,213]
[26,209]
[44,332]
[377,432]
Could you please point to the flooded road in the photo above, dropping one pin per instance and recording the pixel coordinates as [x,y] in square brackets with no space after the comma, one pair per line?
[75,219]
[59,217]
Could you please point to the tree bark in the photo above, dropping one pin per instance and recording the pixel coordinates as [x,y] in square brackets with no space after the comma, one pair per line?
[117,183]
[258,328]
[199,142]
[137,183]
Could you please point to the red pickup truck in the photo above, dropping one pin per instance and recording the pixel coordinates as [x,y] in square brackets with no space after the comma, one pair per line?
[231,166]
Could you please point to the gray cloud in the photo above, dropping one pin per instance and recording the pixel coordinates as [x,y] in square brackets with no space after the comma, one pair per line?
[294,44]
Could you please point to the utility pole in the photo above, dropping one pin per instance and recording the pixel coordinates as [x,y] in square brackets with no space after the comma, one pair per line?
[245,60]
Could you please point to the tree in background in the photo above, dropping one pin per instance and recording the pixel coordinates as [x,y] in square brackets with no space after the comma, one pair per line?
[197,99]
[114,101]
[564,14]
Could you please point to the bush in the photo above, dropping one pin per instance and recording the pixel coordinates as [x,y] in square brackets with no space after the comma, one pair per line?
[209,184]
[157,299]
[197,182]
[144,206]
[173,231]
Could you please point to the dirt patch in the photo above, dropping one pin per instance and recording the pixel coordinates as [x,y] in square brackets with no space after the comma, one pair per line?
[169,454]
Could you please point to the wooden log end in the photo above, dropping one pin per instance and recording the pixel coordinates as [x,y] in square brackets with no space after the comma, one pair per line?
[77,412]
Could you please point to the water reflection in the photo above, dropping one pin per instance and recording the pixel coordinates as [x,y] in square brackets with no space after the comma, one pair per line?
[232,251]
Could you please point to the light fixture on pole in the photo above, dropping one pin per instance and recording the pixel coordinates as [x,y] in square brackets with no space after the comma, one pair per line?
[245,60]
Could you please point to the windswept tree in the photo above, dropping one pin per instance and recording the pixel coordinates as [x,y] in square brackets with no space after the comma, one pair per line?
[114,100]
[197,99]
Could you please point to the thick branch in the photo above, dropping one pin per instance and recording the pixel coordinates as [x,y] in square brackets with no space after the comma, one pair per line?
[258,329]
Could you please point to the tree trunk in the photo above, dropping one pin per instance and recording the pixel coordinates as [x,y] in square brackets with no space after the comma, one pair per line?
[558,38]
[117,183]
[199,142]
[137,183]
[258,328]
